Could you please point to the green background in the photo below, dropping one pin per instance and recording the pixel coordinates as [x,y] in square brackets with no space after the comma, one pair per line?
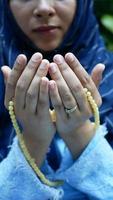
[104,13]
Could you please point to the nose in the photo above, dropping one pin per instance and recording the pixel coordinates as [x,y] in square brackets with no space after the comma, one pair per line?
[44,9]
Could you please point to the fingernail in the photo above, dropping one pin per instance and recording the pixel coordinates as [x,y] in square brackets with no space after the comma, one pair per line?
[3,68]
[52,85]
[36,57]
[53,67]
[58,59]
[43,64]
[103,67]
[44,81]
[21,59]
[70,56]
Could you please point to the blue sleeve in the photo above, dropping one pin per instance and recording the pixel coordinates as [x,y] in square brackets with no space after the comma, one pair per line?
[90,176]
[92,172]
[18,181]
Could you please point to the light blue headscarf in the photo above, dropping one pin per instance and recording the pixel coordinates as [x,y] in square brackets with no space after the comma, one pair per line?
[83,39]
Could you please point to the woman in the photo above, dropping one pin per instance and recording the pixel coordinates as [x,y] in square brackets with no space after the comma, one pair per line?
[30,35]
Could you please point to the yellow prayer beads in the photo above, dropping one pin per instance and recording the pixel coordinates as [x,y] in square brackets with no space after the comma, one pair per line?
[92,104]
[27,155]
[94,107]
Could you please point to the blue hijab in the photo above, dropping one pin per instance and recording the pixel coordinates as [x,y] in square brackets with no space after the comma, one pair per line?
[83,39]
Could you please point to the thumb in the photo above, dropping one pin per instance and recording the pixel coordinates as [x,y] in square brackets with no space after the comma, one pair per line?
[6,72]
[96,73]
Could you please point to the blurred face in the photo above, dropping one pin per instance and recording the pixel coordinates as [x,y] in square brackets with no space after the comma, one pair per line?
[45,22]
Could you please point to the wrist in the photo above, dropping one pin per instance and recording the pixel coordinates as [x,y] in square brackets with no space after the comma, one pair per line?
[87,128]
[80,138]
[37,148]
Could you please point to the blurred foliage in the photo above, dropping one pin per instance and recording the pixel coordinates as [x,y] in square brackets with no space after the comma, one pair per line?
[104,13]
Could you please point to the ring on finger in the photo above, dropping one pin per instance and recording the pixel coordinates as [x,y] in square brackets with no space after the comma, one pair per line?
[71,110]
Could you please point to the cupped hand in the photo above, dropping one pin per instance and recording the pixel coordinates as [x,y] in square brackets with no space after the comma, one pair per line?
[27,85]
[67,92]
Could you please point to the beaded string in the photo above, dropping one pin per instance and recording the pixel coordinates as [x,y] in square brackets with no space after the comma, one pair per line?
[27,155]
[24,149]
[94,107]
[92,104]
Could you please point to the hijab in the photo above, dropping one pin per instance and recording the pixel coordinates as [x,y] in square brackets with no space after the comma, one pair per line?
[83,39]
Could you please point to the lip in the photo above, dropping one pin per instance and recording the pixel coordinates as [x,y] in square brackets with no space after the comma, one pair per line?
[46,29]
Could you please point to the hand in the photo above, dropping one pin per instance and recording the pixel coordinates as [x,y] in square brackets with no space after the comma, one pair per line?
[96,74]
[28,86]
[67,91]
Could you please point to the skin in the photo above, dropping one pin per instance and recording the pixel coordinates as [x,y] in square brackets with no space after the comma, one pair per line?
[23,83]
[32,14]
[66,94]
[28,85]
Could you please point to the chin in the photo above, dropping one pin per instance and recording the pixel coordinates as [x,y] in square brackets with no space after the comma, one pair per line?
[48,47]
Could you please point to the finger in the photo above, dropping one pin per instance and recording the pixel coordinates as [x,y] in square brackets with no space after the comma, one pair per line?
[6,72]
[43,103]
[96,73]
[33,90]
[25,79]
[13,77]
[64,91]
[83,76]
[72,81]
[56,100]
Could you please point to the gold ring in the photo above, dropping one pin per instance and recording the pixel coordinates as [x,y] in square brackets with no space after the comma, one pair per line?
[70,110]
